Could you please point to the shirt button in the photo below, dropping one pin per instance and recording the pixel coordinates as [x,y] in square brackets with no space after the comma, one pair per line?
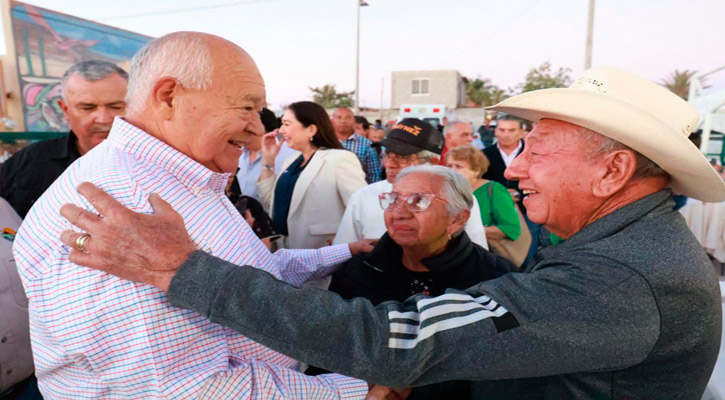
[4,339]
[10,371]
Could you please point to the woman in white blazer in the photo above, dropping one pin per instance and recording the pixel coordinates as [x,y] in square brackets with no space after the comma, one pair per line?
[308,198]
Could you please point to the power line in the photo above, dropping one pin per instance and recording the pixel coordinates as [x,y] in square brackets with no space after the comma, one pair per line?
[181,10]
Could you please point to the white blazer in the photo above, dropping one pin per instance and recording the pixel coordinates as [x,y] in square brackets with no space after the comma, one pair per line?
[319,198]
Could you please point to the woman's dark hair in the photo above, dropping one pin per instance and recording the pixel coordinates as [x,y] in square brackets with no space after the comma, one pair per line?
[309,113]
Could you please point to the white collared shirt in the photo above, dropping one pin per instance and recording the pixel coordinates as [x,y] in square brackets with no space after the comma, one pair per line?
[509,158]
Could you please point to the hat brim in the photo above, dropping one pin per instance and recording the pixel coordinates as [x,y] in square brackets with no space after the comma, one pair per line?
[691,173]
[399,147]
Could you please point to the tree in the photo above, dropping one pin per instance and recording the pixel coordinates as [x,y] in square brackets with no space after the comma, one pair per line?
[679,82]
[543,77]
[328,97]
[482,92]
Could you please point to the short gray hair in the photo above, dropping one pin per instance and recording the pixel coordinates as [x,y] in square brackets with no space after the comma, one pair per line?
[456,190]
[451,124]
[91,71]
[646,168]
[180,55]
[426,156]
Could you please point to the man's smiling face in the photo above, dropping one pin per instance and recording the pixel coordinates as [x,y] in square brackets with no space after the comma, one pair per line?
[556,172]
[211,123]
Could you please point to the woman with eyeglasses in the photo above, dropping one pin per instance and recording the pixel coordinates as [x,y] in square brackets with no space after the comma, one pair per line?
[425,250]
[308,198]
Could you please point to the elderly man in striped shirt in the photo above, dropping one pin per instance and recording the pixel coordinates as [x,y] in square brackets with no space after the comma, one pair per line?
[191,97]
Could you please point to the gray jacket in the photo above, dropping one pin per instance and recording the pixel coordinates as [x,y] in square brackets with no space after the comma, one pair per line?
[628,308]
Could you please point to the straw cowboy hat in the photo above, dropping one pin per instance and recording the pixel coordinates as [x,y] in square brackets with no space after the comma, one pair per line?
[633,111]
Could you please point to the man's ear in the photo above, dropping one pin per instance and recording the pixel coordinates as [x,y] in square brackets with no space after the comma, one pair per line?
[163,95]
[63,107]
[458,222]
[618,169]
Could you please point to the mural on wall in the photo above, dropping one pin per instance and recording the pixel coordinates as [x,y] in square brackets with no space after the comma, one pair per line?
[46,44]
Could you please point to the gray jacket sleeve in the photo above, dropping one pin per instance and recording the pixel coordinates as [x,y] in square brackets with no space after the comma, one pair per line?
[559,319]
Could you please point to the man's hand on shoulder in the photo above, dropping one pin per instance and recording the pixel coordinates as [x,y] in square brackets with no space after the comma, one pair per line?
[130,245]
[362,246]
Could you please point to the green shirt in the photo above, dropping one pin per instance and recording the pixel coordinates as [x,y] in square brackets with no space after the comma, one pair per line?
[498,209]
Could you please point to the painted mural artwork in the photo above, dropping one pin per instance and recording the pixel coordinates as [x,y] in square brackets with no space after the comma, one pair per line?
[46,44]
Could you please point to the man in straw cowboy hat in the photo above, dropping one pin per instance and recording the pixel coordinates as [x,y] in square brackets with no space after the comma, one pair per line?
[626,307]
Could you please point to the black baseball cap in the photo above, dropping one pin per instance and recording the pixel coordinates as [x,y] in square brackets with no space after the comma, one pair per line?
[411,135]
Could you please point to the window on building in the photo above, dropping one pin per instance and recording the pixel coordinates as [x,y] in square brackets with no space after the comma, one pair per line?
[420,86]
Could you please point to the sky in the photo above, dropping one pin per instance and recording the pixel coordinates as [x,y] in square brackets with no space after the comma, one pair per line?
[300,44]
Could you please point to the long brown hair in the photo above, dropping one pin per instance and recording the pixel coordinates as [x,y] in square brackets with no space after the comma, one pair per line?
[309,113]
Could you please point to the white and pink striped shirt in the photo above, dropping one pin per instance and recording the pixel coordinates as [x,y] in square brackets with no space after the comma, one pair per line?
[97,336]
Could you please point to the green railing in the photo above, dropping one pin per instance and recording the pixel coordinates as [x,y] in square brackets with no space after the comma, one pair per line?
[10,137]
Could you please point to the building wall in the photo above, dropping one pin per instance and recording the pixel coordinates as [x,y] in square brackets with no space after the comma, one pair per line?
[444,87]
[474,115]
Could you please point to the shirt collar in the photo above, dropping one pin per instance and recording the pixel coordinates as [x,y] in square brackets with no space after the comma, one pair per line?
[69,145]
[352,137]
[518,149]
[196,177]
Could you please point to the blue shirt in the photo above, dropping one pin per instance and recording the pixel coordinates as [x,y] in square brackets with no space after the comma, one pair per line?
[248,173]
[283,191]
[366,154]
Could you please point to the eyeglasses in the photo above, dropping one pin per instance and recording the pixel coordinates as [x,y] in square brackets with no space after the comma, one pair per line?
[414,202]
[399,159]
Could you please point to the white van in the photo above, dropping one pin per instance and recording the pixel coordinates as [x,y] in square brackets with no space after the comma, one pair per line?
[430,113]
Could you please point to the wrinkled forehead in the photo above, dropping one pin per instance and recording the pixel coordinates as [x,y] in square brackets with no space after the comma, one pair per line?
[236,71]
[418,182]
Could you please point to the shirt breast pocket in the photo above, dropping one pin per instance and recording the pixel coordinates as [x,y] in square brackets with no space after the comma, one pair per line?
[11,281]
[323,229]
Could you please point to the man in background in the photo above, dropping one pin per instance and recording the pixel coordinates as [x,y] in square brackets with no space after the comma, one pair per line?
[362,126]
[457,133]
[510,135]
[343,120]
[93,93]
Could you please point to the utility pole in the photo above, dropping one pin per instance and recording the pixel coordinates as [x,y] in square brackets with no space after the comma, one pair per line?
[590,34]
[360,3]
[382,88]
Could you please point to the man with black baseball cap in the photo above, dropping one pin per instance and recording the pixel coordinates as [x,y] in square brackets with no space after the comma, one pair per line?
[410,142]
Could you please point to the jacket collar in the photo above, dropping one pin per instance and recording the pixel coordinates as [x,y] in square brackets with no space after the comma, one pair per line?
[458,249]
[614,222]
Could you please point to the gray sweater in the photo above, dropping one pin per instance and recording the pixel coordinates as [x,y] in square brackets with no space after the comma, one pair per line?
[628,308]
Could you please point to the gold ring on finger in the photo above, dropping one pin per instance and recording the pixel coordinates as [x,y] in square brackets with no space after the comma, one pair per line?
[81,242]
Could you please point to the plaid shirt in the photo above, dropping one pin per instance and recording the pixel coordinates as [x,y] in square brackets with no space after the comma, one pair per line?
[97,336]
[367,155]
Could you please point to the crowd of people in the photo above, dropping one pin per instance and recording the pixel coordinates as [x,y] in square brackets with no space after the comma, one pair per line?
[393,260]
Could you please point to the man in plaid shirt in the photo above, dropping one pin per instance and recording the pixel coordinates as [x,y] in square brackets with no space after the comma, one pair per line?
[343,120]
[97,336]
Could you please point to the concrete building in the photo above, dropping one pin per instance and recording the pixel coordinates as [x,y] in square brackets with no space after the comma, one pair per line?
[427,87]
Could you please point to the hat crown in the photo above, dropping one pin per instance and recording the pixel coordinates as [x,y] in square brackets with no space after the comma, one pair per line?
[642,94]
